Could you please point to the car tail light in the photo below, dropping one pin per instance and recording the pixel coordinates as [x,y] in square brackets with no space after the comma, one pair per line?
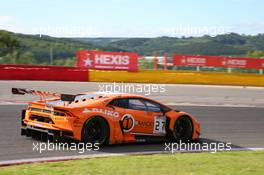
[63,113]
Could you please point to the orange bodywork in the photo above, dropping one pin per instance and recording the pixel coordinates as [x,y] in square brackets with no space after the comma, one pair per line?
[68,118]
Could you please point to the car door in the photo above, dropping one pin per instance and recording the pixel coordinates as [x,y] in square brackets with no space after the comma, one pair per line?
[148,116]
[132,118]
[119,105]
[139,116]
[156,112]
[143,122]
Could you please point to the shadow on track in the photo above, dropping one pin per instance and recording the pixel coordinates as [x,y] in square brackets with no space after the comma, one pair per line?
[203,144]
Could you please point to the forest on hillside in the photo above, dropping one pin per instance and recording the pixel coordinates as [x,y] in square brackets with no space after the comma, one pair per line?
[45,50]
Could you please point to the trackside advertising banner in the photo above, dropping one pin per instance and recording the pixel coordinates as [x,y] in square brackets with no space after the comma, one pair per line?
[218,61]
[107,60]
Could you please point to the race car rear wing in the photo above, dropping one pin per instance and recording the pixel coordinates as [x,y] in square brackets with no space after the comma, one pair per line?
[43,94]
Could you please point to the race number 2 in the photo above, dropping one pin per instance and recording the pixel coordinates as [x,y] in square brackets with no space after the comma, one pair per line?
[159,125]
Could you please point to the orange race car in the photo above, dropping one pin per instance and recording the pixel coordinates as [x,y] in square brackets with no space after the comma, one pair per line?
[105,118]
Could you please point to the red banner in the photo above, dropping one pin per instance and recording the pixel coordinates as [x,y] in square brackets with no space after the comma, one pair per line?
[218,61]
[107,60]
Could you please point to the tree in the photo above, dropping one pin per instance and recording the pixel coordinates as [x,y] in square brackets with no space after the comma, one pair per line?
[26,58]
[70,62]
[7,43]
[9,48]
[145,63]
[255,54]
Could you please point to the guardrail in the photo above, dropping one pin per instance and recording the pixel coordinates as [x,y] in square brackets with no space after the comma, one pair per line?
[46,73]
[60,73]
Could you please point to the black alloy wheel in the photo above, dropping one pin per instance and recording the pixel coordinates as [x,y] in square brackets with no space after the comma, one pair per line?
[95,130]
[183,129]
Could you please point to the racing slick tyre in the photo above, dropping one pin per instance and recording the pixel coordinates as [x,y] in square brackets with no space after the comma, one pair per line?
[183,129]
[95,130]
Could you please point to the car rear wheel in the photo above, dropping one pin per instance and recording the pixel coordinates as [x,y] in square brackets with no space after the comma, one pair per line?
[95,130]
[183,129]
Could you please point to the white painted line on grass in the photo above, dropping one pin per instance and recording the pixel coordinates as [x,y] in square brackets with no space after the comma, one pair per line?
[65,158]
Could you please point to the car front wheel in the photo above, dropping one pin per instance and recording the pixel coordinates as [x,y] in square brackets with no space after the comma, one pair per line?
[183,129]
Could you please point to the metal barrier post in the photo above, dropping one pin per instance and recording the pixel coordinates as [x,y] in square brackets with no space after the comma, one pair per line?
[155,61]
[165,61]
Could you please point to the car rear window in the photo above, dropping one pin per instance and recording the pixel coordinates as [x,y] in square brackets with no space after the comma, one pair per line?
[122,103]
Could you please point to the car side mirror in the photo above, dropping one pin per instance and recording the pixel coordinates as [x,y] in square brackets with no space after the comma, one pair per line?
[163,112]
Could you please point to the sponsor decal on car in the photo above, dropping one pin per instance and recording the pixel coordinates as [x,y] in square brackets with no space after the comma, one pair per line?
[104,111]
[127,122]
[159,125]
[77,123]
[145,124]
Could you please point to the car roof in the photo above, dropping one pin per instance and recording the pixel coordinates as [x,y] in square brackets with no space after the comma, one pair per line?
[113,95]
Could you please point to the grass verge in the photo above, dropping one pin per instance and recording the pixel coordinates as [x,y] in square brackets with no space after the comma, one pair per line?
[239,162]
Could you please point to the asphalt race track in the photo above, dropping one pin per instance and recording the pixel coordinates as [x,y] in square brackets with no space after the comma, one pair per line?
[174,94]
[243,127]
[240,125]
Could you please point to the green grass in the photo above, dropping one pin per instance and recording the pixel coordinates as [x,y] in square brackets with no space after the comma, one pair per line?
[180,163]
